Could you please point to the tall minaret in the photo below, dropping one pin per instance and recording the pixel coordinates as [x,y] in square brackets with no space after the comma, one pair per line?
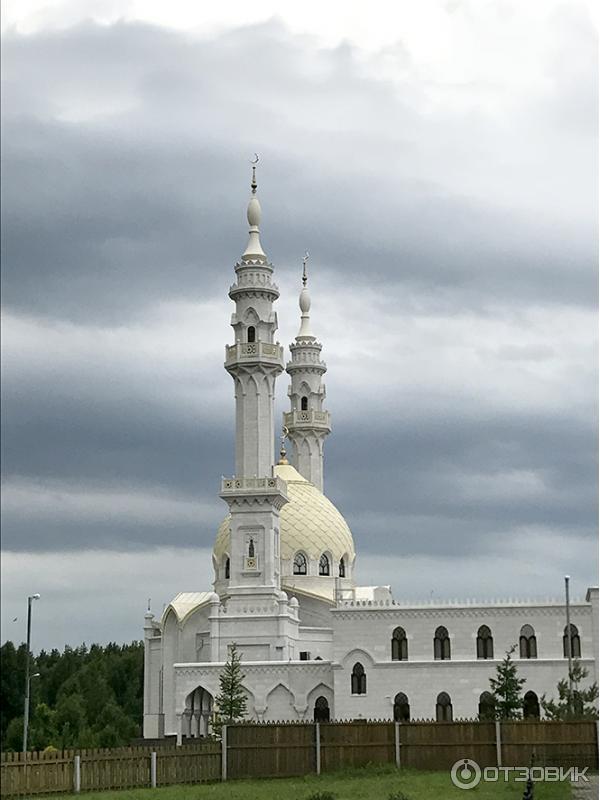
[307,423]
[254,495]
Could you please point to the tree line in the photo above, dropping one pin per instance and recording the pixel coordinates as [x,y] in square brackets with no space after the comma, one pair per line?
[83,697]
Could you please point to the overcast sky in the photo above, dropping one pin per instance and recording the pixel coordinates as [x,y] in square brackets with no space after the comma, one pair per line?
[439,161]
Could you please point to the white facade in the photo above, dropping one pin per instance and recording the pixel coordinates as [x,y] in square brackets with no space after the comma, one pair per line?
[312,642]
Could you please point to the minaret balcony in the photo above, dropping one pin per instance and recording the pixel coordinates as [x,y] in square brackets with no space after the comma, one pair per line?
[253,352]
[307,419]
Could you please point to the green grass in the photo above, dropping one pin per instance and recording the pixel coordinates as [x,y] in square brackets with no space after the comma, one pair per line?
[374,783]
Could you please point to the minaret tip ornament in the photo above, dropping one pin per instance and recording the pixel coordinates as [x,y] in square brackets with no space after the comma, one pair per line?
[282,451]
[254,162]
[304,276]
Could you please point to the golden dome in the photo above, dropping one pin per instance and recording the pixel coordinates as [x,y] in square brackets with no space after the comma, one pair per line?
[308,522]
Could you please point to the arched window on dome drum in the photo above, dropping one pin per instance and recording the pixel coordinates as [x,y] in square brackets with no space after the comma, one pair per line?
[227,568]
[304,404]
[443,708]
[527,642]
[531,706]
[575,643]
[358,680]
[441,644]
[342,570]
[401,708]
[487,707]
[251,333]
[399,645]
[485,643]
[299,564]
[321,712]
[323,565]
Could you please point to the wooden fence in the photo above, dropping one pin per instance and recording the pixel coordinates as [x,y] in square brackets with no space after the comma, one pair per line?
[286,749]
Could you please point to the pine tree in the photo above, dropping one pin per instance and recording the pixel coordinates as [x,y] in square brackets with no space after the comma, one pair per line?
[582,702]
[506,688]
[231,701]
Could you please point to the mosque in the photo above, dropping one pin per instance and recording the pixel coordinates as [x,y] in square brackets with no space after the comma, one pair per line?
[314,644]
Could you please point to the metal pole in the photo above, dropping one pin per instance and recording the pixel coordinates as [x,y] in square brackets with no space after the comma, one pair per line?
[569,644]
[224,753]
[77,774]
[318,746]
[153,770]
[498,744]
[397,743]
[27,682]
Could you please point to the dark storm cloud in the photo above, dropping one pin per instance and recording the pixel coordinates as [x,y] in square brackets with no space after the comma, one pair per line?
[125,178]
[123,175]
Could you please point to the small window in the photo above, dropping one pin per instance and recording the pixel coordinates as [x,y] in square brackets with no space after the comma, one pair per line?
[304,404]
[251,333]
[323,565]
[527,642]
[342,570]
[531,706]
[443,708]
[485,643]
[487,707]
[227,568]
[401,708]
[575,643]
[321,712]
[304,655]
[358,680]
[441,644]
[299,564]
[399,645]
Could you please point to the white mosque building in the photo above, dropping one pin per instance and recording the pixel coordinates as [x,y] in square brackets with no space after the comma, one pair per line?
[314,644]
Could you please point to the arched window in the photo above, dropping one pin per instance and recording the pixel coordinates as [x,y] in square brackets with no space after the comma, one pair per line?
[485,643]
[487,706]
[531,706]
[401,708]
[299,564]
[399,645]
[321,712]
[323,565]
[304,404]
[342,570]
[441,644]
[443,708]
[227,568]
[527,642]
[251,333]
[575,643]
[358,681]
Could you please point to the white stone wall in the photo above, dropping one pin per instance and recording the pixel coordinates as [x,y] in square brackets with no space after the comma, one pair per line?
[363,634]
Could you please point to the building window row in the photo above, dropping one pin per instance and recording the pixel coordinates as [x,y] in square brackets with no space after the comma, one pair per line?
[443,704]
[484,644]
[300,565]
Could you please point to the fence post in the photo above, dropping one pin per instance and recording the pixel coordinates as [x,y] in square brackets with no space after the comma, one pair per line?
[153,770]
[397,742]
[224,753]
[498,744]
[318,746]
[77,774]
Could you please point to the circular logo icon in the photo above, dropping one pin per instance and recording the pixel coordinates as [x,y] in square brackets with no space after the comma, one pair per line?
[465,774]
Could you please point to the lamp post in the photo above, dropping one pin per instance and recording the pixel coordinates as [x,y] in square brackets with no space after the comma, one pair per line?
[569,643]
[30,599]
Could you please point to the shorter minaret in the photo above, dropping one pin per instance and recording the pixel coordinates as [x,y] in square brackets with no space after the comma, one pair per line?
[307,423]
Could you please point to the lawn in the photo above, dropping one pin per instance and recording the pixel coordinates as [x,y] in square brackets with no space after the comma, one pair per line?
[361,784]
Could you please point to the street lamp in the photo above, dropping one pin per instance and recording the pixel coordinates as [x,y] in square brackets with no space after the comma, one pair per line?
[27,667]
